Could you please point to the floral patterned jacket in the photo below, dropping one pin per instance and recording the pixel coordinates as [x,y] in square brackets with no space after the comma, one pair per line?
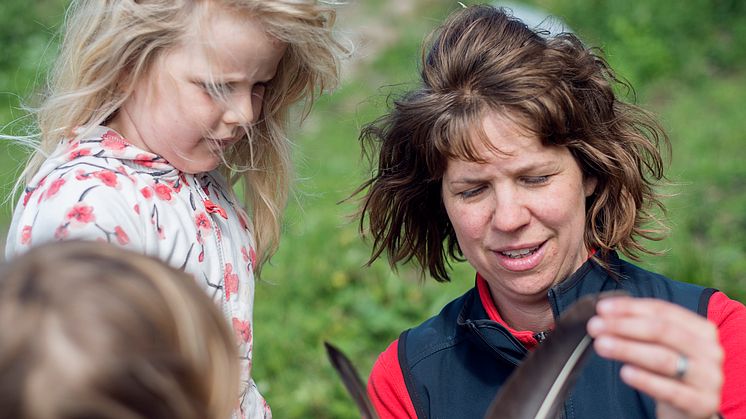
[99,187]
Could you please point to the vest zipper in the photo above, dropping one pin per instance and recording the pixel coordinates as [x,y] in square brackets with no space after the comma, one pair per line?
[541,336]
[507,334]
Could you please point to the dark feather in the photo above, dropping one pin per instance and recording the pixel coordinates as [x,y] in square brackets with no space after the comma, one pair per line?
[351,380]
[538,387]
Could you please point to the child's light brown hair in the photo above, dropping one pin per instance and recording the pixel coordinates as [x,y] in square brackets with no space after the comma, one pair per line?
[89,330]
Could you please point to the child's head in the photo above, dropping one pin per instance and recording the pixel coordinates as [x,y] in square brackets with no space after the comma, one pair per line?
[218,71]
[90,330]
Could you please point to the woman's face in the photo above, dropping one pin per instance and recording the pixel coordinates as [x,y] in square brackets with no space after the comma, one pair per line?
[519,217]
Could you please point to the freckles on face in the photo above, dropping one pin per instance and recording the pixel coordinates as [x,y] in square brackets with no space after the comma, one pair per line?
[518,215]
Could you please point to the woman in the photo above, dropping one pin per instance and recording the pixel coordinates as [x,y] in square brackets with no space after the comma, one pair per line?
[515,155]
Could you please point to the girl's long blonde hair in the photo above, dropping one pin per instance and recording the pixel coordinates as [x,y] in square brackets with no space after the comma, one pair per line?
[108,45]
[91,330]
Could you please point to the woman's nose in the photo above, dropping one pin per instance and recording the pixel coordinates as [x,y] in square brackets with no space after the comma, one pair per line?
[511,212]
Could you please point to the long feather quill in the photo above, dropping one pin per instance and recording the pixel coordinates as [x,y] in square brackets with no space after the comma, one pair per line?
[351,380]
[538,387]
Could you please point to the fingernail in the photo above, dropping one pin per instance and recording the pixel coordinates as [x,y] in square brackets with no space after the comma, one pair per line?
[596,325]
[606,305]
[604,343]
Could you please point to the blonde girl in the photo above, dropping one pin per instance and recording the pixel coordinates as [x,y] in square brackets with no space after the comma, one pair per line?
[154,111]
[89,330]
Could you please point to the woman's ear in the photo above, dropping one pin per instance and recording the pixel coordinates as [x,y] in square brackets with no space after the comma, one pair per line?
[589,185]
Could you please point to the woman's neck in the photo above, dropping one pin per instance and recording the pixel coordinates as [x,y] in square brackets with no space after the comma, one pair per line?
[536,319]
[533,315]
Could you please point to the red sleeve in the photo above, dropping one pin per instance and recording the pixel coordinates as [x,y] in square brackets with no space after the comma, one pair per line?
[730,318]
[386,387]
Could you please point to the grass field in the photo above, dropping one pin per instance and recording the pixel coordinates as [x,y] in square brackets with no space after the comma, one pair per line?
[317,287]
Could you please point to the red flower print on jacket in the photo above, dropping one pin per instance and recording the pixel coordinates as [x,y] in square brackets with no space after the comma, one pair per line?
[203,222]
[252,254]
[72,145]
[26,235]
[122,237]
[81,174]
[78,153]
[243,330]
[147,192]
[27,195]
[81,213]
[60,233]
[162,191]
[230,280]
[55,187]
[112,141]
[249,255]
[214,208]
[108,177]
[123,171]
[146,160]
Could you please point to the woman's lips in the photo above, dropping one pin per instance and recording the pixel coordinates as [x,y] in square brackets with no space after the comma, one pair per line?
[519,259]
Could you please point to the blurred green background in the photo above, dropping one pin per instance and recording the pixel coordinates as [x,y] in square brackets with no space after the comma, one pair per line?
[686,62]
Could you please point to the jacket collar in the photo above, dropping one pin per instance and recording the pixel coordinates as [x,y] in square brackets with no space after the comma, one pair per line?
[480,319]
[103,142]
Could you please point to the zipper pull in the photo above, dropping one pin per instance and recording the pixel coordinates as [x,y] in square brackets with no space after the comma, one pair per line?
[541,336]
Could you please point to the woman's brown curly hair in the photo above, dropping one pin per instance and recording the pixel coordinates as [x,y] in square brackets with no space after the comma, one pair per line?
[482,59]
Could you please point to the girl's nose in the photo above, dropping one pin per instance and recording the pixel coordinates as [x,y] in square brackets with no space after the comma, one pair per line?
[243,110]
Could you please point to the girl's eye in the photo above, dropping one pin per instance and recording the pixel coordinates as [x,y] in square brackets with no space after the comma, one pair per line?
[218,89]
[259,89]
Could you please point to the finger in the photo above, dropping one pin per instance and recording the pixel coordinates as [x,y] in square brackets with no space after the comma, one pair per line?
[660,322]
[701,372]
[681,396]
[646,307]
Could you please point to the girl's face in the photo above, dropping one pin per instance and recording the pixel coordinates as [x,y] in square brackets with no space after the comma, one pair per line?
[174,110]
[519,217]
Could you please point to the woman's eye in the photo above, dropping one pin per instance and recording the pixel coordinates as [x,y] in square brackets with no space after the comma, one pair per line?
[535,180]
[470,193]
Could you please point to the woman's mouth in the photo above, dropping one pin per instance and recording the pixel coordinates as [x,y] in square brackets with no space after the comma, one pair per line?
[519,253]
[521,259]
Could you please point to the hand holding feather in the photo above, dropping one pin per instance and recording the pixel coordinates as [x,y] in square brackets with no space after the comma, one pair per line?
[650,337]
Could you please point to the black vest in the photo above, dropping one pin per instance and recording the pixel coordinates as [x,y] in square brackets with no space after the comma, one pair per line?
[454,363]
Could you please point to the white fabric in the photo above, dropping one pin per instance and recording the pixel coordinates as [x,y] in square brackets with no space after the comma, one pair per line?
[98,187]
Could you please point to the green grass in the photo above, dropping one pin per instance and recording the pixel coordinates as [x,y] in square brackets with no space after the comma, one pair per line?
[708,213]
